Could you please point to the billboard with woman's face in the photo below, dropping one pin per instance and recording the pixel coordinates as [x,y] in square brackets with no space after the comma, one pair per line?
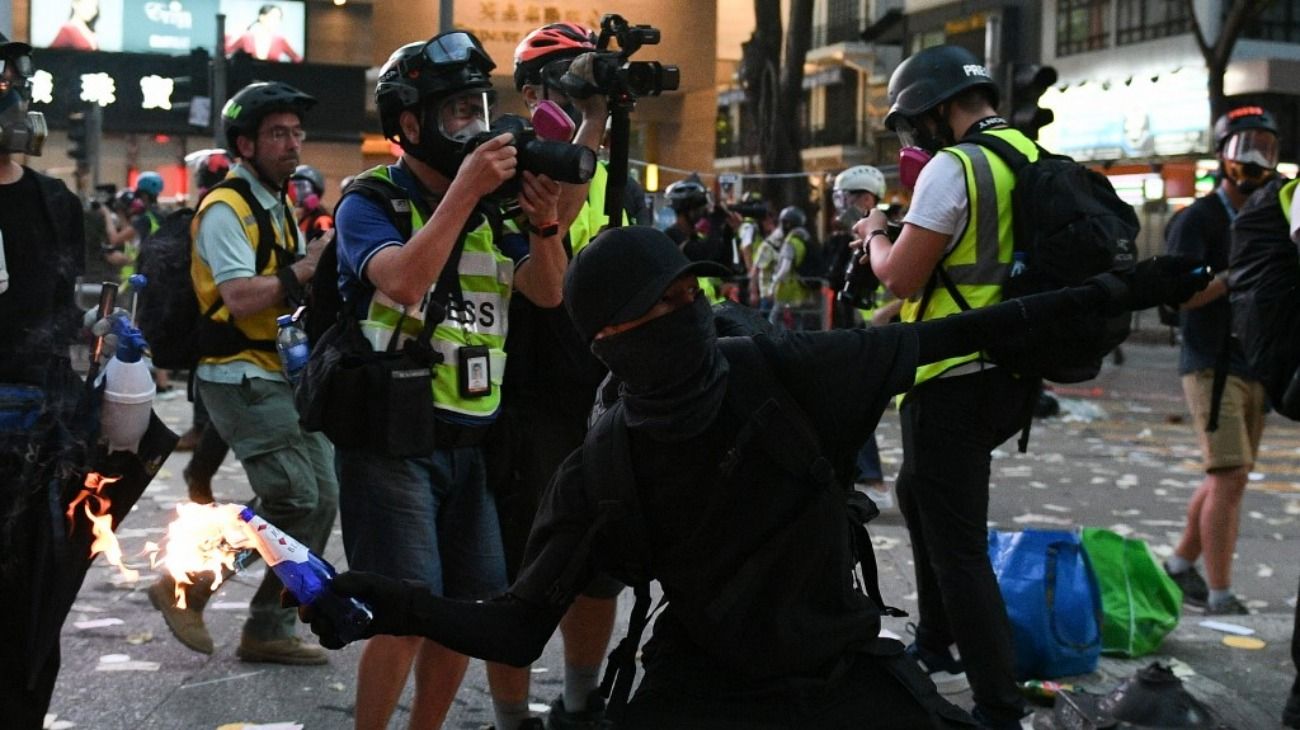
[269,31]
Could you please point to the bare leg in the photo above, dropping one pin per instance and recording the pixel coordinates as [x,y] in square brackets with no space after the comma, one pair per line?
[1189,548]
[1219,522]
[438,673]
[381,677]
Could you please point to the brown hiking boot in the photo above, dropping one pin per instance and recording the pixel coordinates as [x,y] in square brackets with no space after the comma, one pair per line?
[186,624]
[280,651]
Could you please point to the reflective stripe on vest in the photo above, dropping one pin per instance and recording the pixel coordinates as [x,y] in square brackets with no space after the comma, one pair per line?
[1285,195]
[259,326]
[486,276]
[981,260]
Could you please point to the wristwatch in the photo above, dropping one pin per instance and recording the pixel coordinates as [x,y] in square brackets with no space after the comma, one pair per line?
[546,230]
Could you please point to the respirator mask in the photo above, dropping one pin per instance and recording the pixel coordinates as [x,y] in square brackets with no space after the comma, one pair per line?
[21,131]
[447,124]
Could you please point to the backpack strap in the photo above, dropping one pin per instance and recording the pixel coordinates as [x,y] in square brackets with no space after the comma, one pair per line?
[1014,158]
[607,470]
[1221,363]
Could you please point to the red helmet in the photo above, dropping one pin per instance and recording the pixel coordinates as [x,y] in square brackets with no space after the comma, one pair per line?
[546,44]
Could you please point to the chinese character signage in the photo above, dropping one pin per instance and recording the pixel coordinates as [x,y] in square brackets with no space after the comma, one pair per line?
[501,24]
[268,31]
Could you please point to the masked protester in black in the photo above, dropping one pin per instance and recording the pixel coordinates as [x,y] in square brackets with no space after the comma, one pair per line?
[634,297]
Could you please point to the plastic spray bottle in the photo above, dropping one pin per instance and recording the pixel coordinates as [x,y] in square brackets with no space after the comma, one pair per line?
[307,576]
[128,390]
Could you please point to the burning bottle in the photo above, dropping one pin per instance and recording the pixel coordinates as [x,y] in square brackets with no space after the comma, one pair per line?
[308,577]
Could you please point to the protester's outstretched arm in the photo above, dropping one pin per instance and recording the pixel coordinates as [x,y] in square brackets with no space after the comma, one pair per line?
[507,629]
[1160,280]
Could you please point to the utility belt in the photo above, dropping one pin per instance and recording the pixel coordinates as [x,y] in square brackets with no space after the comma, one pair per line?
[377,400]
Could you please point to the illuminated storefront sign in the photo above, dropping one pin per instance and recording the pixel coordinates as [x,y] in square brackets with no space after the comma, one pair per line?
[1141,118]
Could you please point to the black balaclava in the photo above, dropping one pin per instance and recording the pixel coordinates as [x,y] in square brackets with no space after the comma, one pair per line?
[674,376]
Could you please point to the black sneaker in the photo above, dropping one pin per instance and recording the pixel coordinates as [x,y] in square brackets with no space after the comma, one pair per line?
[1230,606]
[1195,591]
[589,719]
[1291,714]
[947,673]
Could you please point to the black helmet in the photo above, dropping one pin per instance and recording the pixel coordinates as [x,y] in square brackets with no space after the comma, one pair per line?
[792,216]
[312,176]
[243,114]
[684,195]
[929,78]
[445,64]
[1241,119]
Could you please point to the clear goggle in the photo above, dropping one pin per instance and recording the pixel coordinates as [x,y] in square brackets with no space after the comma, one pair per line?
[1252,147]
[843,199]
[907,134]
[21,66]
[454,47]
[467,114]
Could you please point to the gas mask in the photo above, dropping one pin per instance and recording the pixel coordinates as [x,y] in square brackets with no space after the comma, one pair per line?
[21,131]
[1250,159]
[302,194]
[447,125]
[911,160]
[553,122]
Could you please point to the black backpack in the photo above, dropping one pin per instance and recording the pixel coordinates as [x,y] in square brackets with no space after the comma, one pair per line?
[168,313]
[1264,291]
[1069,225]
[774,423]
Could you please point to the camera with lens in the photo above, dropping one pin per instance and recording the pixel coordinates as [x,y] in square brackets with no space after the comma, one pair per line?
[103,196]
[860,282]
[560,161]
[611,73]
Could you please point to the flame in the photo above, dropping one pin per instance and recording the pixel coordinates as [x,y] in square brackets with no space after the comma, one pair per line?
[101,522]
[204,538]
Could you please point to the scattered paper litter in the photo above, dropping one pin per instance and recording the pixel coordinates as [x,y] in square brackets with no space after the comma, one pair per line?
[337,686]
[228,606]
[538,707]
[86,608]
[265,726]
[1226,627]
[61,725]
[1056,508]
[142,637]
[1264,571]
[1256,476]
[114,658]
[1126,512]
[887,634]
[540,670]
[884,542]
[1181,669]
[98,623]
[129,667]
[1044,519]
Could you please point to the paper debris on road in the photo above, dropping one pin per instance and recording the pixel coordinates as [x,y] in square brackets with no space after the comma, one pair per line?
[1226,627]
[140,637]
[98,623]
[123,663]
[265,726]
[86,608]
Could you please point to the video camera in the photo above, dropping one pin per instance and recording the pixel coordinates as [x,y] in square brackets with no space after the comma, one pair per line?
[103,196]
[560,161]
[610,73]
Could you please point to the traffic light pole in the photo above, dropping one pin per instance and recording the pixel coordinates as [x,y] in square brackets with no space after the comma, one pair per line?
[94,133]
[219,84]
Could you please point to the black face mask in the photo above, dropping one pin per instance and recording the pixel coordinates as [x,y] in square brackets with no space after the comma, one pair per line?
[674,377]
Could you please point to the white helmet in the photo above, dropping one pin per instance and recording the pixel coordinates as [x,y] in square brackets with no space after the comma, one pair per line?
[861,177]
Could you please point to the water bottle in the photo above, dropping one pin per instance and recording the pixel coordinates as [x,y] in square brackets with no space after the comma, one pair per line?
[128,390]
[291,343]
[307,577]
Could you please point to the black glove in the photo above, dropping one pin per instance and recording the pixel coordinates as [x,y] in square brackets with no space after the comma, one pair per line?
[1169,280]
[389,599]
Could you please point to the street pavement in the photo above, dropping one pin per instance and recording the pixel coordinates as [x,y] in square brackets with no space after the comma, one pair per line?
[1120,456]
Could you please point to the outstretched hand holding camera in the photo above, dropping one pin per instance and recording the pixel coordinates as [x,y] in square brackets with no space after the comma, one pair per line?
[489,166]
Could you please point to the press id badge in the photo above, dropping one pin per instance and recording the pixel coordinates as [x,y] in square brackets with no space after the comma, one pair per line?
[475,371]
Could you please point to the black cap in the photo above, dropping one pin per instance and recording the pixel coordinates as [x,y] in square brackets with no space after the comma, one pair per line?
[13,48]
[622,273]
